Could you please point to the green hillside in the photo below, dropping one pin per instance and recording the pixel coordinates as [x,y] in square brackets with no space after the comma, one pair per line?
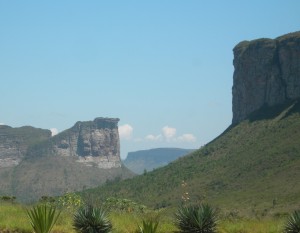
[253,167]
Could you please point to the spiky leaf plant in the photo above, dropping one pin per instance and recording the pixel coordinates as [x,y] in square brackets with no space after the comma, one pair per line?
[196,219]
[149,226]
[42,218]
[90,219]
[292,224]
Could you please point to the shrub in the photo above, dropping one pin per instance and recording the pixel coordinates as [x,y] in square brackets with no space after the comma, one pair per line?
[292,224]
[124,205]
[196,219]
[89,219]
[149,226]
[42,218]
[71,201]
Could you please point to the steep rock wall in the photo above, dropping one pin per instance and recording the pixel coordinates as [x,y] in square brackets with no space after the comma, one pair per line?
[14,143]
[267,73]
[93,142]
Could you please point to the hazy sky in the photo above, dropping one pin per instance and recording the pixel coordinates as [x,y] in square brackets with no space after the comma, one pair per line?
[163,67]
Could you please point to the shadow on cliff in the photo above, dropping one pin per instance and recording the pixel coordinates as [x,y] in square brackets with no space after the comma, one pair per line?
[282,111]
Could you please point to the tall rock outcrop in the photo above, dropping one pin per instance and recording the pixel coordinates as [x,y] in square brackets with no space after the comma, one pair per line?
[92,142]
[34,164]
[267,73]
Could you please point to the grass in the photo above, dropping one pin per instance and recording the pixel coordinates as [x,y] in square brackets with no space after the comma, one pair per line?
[251,226]
[13,217]
[253,167]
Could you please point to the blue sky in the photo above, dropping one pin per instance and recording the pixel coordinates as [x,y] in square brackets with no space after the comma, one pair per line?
[163,67]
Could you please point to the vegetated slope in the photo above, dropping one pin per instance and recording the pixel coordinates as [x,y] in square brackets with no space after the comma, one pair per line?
[147,160]
[56,175]
[253,167]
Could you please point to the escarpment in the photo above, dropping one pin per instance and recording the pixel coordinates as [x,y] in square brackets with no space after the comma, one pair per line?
[34,164]
[92,142]
[267,73]
[14,143]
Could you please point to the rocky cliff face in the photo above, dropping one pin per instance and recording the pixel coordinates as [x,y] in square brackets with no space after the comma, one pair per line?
[34,164]
[14,143]
[92,142]
[267,73]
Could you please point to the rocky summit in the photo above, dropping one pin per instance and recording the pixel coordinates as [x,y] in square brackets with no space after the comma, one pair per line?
[92,142]
[34,164]
[267,73]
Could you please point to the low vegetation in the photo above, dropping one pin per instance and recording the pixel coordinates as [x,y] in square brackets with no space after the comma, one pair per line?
[42,218]
[191,218]
[89,219]
[196,219]
[149,226]
[293,223]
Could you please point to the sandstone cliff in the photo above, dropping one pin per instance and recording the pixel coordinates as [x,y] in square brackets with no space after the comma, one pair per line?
[267,73]
[14,143]
[93,142]
[34,164]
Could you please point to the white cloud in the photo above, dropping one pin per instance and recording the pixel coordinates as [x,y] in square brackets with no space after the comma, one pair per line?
[152,137]
[187,138]
[54,131]
[2,124]
[125,131]
[168,132]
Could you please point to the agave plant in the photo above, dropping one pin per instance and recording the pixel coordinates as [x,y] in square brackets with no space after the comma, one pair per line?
[42,218]
[149,226]
[196,219]
[90,219]
[293,223]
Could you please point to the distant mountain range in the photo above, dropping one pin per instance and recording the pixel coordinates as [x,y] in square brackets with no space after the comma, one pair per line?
[147,160]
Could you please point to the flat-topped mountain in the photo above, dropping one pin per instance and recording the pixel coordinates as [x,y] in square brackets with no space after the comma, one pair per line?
[253,166]
[33,164]
[266,73]
[147,160]
[91,142]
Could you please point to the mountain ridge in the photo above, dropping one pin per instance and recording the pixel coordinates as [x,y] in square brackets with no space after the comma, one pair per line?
[147,160]
[34,164]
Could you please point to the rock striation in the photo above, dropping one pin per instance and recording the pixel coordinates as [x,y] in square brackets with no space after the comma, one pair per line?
[34,164]
[92,142]
[266,73]
[14,143]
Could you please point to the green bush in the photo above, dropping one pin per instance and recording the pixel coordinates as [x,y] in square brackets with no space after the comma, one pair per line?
[196,219]
[89,219]
[42,218]
[149,226]
[293,223]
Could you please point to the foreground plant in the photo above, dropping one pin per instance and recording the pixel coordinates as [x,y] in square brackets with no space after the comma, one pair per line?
[293,223]
[196,219]
[90,219]
[42,218]
[148,227]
